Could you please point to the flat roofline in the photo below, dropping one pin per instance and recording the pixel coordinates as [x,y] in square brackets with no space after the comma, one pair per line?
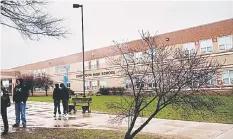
[106,47]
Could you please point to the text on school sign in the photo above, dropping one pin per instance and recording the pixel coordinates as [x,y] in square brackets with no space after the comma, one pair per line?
[97,74]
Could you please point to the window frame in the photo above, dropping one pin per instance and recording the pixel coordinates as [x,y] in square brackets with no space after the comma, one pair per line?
[87,85]
[93,66]
[213,79]
[86,65]
[225,42]
[93,86]
[230,79]
[101,62]
[101,83]
[187,47]
[206,45]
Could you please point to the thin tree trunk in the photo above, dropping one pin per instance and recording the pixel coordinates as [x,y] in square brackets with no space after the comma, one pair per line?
[46,92]
[32,91]
[128,136]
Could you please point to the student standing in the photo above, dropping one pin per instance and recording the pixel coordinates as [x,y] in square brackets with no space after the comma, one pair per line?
[56,100]
[65,99]
[5,102]
[20,97]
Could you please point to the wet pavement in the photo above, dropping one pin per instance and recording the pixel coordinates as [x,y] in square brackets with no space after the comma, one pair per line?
[40,114]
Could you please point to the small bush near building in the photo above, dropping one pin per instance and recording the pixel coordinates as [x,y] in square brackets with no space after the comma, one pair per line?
[71,92]
[111,91]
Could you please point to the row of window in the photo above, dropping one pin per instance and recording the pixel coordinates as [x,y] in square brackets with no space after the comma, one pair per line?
[93,85]
[227,78]
[224,43]
[62,68]
[93,64]
[39,72]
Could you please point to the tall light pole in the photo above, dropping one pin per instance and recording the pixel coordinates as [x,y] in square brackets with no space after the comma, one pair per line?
[81,6]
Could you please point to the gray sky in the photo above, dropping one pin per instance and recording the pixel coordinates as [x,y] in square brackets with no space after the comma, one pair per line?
[105,21]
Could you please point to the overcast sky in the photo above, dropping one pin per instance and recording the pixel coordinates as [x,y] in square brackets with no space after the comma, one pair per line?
[105,21]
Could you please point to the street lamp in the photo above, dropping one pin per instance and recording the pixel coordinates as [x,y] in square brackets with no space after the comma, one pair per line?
[81,6]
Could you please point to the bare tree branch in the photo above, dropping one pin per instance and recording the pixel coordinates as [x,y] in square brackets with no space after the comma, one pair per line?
[28,17]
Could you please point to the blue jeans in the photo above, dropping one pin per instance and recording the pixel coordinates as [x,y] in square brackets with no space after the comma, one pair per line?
[20,108]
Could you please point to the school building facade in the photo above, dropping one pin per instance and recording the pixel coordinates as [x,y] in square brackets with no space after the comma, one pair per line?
[215,39]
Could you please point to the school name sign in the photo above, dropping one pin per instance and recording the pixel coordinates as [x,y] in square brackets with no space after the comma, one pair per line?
[97,74]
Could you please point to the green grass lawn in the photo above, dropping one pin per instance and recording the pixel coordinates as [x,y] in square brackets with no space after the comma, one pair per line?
[224,114]
[48,133]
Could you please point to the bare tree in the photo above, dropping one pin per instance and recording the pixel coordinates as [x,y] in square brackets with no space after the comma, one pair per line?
[31,82]
[45,82]
[160,76]
[29,18]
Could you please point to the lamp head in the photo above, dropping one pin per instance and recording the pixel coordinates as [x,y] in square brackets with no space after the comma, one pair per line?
[77,5]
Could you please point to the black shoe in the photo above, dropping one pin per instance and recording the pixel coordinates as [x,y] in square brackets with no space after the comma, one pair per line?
[15,125]
[4,133]
[24,126]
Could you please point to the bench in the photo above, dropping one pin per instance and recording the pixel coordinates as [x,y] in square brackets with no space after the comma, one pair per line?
[84,102]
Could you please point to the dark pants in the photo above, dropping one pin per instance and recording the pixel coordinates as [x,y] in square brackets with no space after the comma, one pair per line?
[57,106]
[4,118]
[20,108]
[65,106]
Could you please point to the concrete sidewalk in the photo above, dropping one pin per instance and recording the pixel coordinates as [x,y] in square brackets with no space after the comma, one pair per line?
[40,114]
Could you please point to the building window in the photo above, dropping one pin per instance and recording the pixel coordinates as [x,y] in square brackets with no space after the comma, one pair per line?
[68,85]
[206,45]
[140,82]
[94,85]
[227,77]
[128,83]
[151,82]
[213,80]
[189,48]
[101,62]
[34,73]
[62,68]
[43,72]
[225,42]
[93,64]
[138,55]
[102,84]
[87,85]
[151,52]
[86,65]
[128,58]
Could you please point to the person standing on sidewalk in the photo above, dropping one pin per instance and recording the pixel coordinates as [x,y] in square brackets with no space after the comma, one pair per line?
[65,99]
[5,102]
[20,97]
[56,100]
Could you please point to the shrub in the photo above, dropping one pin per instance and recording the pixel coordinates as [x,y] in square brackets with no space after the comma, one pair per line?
[71,92]
[104,91]
[112,91]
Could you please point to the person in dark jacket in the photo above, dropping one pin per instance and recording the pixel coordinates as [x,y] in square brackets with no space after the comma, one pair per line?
[56,100]
[65,98]
[5,102]
[20,97]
